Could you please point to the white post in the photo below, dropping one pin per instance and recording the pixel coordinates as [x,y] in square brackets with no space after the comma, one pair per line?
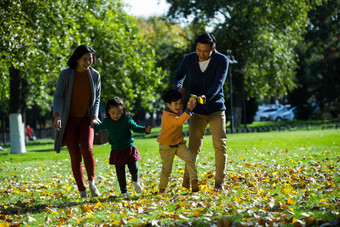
[17,133]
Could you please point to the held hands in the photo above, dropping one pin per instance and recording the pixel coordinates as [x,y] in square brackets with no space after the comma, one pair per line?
[200,99]
[94,120]
[191,104]
[148,129]
[57,123]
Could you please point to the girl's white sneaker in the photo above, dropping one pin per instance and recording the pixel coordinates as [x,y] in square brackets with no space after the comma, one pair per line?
[94,191]
[137,186]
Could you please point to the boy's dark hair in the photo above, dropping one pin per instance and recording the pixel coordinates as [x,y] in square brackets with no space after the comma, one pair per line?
[206,38]
[170,95]
[78,53]
[115,102]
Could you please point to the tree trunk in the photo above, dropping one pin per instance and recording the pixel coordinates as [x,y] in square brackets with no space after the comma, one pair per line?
[17,131]
[237,99]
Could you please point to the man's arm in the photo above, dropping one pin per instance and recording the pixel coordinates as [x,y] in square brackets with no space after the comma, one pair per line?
[180,74]
[221,75]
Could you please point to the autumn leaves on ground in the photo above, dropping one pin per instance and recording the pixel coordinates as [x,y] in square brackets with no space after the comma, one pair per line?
[277,178]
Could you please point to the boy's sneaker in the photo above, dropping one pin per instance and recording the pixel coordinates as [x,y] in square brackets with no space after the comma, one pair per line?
[83,194]
[218,187]
[137,186]
[94,191]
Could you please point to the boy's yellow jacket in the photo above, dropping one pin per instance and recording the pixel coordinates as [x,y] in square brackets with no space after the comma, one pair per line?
[172,127]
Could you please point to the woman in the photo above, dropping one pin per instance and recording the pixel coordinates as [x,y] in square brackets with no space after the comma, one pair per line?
[75,106]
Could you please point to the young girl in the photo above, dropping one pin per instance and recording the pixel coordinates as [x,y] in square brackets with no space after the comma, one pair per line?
[123,151]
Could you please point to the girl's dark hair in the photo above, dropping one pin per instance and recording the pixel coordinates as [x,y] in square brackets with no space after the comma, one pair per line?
[170,95]
[115,102]
[206,38]
[78,53]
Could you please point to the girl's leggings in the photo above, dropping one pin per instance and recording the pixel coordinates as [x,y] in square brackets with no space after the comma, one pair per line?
[120,170]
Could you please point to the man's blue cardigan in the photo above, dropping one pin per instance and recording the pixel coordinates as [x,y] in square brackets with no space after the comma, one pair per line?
[208,83]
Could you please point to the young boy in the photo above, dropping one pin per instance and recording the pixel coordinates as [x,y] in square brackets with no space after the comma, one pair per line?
[171,141]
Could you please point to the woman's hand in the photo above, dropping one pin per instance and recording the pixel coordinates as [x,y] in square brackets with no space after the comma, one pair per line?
[94,120]
[57,123]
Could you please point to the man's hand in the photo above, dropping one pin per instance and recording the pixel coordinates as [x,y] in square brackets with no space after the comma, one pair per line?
[204,98]
[182,91]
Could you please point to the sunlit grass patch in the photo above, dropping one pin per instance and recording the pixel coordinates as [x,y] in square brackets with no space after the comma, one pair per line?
[271,178]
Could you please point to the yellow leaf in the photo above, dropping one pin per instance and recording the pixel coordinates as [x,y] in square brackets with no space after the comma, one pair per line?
[78,221]
[241,157]
[196,214]
[115,223]
[55,212]
[69,188]
[4,224]
[291,202]
[286,191]
[322,200]
[99,204]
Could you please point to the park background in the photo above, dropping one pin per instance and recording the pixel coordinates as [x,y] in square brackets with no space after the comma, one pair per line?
[281,52]
[285,52]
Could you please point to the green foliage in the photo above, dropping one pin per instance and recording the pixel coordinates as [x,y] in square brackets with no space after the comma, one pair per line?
[35,34]
[169,42]
[125,60]
[261,34]
[39,36]
[318,77]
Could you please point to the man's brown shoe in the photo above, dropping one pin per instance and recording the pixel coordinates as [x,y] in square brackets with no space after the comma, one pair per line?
[194,186]
[219,187]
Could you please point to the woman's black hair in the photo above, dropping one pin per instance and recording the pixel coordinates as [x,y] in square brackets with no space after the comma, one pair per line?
[115,102]
[206,38]
[78,53]
[170,95]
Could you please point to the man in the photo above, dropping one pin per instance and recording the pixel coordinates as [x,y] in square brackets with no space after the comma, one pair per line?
[207,70]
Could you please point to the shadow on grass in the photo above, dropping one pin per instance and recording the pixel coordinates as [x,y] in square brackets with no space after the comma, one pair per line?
[34,207]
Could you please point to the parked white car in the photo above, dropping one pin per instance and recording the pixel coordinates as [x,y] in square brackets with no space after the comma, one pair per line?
[263,113]
[278,115]
[290,114]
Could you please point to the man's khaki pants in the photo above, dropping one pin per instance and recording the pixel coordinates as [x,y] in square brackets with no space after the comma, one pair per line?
[197,126]
[167,155]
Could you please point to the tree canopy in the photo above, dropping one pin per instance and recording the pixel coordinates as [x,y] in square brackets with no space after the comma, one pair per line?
[37,37]
[261,34]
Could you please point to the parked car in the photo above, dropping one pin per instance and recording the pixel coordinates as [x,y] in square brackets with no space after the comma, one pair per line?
[263,114]
[278,115]
[267,106]
[290,114]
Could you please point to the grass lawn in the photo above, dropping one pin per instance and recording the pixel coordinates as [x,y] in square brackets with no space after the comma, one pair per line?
[273,178]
